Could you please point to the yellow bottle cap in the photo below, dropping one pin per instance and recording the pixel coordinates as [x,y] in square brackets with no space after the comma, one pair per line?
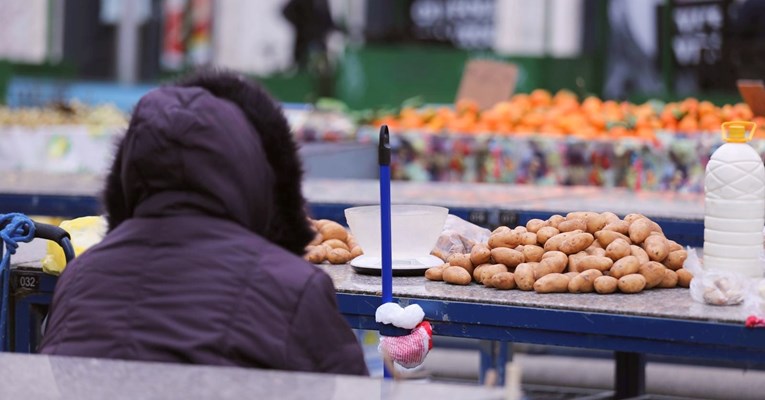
[738,131]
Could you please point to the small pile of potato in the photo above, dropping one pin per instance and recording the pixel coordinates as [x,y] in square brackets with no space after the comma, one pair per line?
[332,243]
[579,253]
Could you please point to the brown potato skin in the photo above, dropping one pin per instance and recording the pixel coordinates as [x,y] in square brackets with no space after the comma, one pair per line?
[632,283]
[333,230]
[356,251]
[555,220]
[510,257]
[657,247]
[576,243]
[545,233]
[552,283]
[507,238]
[339,256]
[618,226]
[606,237]
[670,279]
[552,262]
[553,243]
[584,282]
[456,276]
[317,255]
[653,272]
[477,271]
[524,277]
[625,266]
[594,262]
[639,230]
[336,244]
[595,222]
[532,253]
[638,252]
[480,254]
[491,270]
[605,284]
[673,246]
[503,281]
[610,217]
[436,273]
[676,259]
[618,249]
[461,260]
[535,224]
[570,225]
[684,277]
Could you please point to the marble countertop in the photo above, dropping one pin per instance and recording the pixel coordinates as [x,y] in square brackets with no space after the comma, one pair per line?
[451,194]
[33,377]
[657,303]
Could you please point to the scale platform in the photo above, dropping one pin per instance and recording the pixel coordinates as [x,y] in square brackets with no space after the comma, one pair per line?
[371,265]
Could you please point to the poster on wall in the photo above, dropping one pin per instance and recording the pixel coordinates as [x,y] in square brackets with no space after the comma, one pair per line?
[187,36]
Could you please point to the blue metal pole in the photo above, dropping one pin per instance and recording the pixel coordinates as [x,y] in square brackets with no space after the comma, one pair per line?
[385,235]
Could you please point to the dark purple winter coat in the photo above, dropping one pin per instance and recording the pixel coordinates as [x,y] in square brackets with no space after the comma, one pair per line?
[201,264]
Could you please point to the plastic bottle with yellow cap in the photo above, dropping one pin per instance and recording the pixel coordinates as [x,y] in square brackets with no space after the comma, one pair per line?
[734,212]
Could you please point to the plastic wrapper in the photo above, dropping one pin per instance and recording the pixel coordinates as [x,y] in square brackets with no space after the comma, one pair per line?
[716,287]
[84,232]
[755,299]
[459,236]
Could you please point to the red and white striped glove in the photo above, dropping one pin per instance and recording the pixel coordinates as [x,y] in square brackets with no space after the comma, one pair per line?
[409,351]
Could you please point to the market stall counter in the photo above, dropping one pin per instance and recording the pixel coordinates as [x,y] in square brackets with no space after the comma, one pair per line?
[665,321]
[25,376]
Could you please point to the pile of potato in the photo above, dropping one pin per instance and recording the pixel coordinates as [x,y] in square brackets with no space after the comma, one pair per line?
[579,253]
[332,243]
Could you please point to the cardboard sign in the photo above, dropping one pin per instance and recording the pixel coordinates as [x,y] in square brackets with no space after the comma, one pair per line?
[753,93]
[487,82]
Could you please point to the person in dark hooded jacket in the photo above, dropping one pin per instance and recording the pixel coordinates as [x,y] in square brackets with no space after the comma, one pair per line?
[202,262]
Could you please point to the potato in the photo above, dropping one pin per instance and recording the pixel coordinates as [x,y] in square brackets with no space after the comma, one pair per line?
[639,230]
[316,255]
[618,226]
[606,237]
[584,282]
[571,274]
[676,259]
[336,244]
[356,251]
[507,238]
[553,243]
[491,270]
[617,249]
[579,214]
[595,251]
[503,281]
[545,233]
[653,273]
[574,224]
[436,273]
[477,271]
[500,229]
[317,238]
[524,276]
[638,252]
[555,220]
[532,253]
[573,261]
[670,279]
[625,266]
[632,283]
[673,246]
[319,223]
[480,254]
[594,222]
[528,238]
[605,284]
[552,283]
[333,230]
[657,247]
[339,256]
[534,224]
[351,241]
[684,277]
[520,229]
[439,253]
[456,276]
[552,262]
[576,243]
[630,218]
[461,260]
[594,262]
[610,217]
[509,257]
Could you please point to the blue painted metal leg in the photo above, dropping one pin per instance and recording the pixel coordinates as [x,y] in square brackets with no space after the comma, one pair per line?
[494,356]
[630,375]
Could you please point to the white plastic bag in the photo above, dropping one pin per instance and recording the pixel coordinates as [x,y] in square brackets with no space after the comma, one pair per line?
[716,288]
[459,236]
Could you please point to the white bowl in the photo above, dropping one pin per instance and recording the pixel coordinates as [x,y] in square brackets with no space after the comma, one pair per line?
[414,229]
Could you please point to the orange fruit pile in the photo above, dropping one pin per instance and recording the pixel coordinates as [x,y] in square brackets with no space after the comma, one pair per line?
[541,112]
